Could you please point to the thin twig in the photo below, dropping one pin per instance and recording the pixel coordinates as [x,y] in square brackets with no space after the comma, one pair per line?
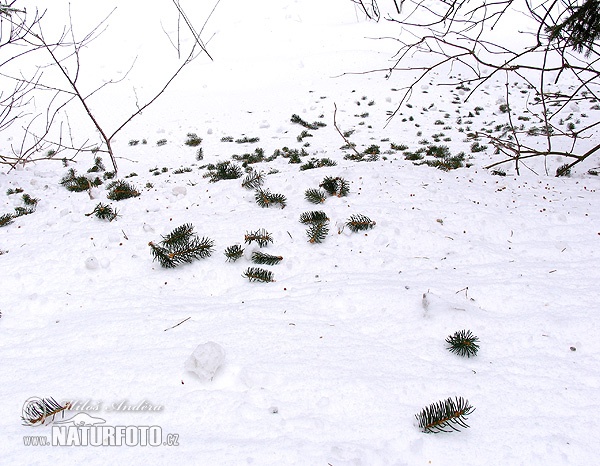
[341,134]
[177,325]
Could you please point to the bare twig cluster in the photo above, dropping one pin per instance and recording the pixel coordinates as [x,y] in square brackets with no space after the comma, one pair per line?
[560,52]
[21,35]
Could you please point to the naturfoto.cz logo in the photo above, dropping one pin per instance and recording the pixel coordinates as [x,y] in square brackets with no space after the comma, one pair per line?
[83,429]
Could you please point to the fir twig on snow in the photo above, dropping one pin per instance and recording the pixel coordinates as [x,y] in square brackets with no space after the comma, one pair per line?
[119,190]
[193,140]
[76,183]
[98,166]
[30,201]
[316,125]
[463,343]
[444,415]
[104,212]
[314,216]
[256,274]
[10,191]
[36,411]
[234,252]
[262,237]
[265,198]
[6,219]
[266,259]
[253,180]
[20,211]
[318,163]
[223,171]
[315,196]
[335,186]
[180,235]
[359,222]
[317,232]
[181,246]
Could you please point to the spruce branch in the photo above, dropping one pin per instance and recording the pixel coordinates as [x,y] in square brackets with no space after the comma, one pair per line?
[314,216]
[20,211]
[256,274]
[224,171]
[335,186]
[30,201]
[253,180]
[463,343]
[179,236]
[262,237]
[6,219]
[37,410]
[316,125]
[234,252]
[317,232]
[193,140]
[181,246]
[98,166]
[265,198]
[14,191]
[443,415]
[314,196]
[104,212]
[318,163]
[119,190]
[80,183]
[359,222]
[266,259]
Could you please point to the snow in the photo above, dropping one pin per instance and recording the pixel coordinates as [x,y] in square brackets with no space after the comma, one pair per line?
[329,363]
[205,360]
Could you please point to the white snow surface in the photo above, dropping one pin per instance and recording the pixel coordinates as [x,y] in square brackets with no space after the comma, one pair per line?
[329,363]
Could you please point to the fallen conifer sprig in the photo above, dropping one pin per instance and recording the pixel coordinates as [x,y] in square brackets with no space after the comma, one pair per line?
[359,222]
[335,186]
[181,246]
[265,198]
[234,252]
[253,180]
[445,416]
[6,219]
[315,216]
[463,343]
[266,259]
[317,232]
[104,212]
[261,237]
[119,190]
[314,196]
[256,274]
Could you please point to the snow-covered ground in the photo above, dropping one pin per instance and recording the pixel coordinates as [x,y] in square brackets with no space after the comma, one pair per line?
[329,363]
